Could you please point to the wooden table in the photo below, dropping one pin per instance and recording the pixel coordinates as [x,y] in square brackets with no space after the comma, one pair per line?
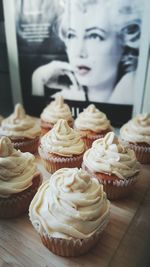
[125,241]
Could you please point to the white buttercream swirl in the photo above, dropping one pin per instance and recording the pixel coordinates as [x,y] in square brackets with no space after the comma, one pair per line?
[56,110]
[71,204]
[137,130]
[108,156]
[92,119]
[19,124]
[62,140]
[17,169]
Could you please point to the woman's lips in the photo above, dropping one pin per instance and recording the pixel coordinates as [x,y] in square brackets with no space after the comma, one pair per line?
[82,70]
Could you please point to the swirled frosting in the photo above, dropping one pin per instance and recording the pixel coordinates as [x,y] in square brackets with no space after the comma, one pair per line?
[62,140]
[17,169]
[70,205]
[92,119]
[56,110]
[19,124]
[108,156]
[137,130]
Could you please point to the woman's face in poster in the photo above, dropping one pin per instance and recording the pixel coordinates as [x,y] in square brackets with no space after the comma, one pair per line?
[93,48]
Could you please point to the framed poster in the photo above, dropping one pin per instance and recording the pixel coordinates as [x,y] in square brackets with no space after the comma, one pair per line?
[59,47]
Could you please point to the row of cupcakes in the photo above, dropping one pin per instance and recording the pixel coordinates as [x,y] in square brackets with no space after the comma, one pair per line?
[25,131]
[70,209]
[93,124]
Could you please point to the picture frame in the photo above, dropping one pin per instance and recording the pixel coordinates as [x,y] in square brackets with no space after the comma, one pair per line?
[21,78]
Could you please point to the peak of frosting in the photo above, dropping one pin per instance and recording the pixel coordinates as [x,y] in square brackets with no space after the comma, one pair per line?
[109,142]
[6,147]
[62,127]
[143,119]
[76,180]
[109,139]
[91,108]
[19,112]
[59,100]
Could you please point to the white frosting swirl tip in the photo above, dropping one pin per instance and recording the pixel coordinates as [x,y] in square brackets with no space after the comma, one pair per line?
[6,147]
[62,126]
[19,112]
[59,100]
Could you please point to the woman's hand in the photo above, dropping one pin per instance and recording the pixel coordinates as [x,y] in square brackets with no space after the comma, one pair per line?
[44,74]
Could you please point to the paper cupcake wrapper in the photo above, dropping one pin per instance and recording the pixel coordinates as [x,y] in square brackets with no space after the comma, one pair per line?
[142,153]
[90,139]
[115,189]
[27,145]
[119,189]
[18,204]
[72,247]
[44,130]
[53,163]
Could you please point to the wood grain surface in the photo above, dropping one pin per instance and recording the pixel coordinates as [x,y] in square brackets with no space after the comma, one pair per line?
[125,241]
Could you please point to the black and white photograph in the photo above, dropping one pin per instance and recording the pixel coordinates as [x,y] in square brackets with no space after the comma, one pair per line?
[87,51]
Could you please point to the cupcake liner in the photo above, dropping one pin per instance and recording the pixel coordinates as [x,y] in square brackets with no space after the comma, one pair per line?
[119,189]
[52,163]
[26,145]
[44,130]
[72,247]
[18,204]
[142,153]
[115,189]
[45,127]
[90,138]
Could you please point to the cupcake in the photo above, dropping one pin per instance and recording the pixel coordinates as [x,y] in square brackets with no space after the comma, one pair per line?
[22,129]
[114,165]
[19,180]
[61,147]
[92,124]
[136,135]
[56,110]
[69,212]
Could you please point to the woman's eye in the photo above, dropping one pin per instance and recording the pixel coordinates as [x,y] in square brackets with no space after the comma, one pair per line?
[71,35]
[95,36]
